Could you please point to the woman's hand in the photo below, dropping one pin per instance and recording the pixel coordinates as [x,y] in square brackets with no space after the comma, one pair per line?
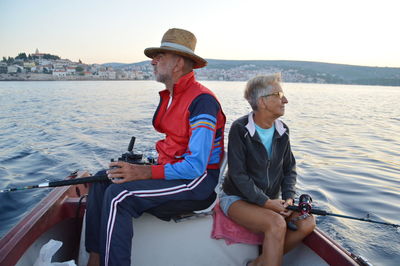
[126,172]
[279,206]
[286,212]
[275,205]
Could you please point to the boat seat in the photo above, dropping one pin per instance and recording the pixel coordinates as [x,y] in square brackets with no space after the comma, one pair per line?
[185,243]
[180,210]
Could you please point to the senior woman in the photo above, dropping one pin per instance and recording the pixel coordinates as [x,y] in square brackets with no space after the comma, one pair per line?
[260,165]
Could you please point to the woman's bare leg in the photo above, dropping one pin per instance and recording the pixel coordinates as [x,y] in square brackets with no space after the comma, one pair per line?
[259,219]
[304,228]
[94,259]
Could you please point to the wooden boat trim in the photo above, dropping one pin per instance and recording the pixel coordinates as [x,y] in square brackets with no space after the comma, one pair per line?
[60,204]
[323,245]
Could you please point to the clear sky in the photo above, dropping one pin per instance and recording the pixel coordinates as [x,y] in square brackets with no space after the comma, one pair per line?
[358,32]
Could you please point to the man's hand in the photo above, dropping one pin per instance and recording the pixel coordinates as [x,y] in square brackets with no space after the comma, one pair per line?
[126,172]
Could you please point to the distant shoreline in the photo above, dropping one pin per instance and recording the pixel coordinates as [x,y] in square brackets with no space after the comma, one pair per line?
[216,70]
[49,77]
[52,80]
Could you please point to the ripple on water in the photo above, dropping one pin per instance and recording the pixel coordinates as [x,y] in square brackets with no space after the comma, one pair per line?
[346,145]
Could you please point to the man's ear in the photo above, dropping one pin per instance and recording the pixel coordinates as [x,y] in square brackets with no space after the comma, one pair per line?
[180,64]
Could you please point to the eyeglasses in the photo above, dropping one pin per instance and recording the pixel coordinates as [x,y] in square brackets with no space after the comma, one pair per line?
[279,94]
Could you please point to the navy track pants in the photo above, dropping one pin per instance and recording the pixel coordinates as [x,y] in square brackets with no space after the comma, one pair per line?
[110,208]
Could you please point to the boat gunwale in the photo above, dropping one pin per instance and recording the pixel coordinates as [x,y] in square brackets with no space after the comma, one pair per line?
[323,245]
[60,204]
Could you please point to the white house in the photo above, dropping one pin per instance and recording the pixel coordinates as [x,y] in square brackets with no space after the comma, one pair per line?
[59,73]
[112,74]
[42,61]
[71,70]
[12,68]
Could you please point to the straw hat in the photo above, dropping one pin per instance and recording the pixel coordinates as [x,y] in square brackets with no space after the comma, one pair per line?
[178,41]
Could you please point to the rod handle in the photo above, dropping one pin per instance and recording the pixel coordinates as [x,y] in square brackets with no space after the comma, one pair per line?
[75,181]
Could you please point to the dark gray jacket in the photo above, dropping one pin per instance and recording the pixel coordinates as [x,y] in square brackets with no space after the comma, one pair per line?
[251,174]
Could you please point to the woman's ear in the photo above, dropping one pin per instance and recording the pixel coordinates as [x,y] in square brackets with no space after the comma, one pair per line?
[261,102]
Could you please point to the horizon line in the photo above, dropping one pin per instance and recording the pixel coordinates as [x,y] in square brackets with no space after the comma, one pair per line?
[285,60]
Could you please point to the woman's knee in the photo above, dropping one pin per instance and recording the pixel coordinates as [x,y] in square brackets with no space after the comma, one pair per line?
[307,225]
[275,225]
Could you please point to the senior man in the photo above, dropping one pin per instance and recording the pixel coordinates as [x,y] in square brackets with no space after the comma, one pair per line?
[188,162]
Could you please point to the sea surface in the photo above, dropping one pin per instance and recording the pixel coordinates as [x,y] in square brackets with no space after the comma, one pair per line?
[346,140]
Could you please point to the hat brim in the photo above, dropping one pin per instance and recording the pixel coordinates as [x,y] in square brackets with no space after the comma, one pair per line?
[198,61]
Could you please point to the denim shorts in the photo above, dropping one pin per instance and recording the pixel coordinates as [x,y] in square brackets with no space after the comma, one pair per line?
[225,201]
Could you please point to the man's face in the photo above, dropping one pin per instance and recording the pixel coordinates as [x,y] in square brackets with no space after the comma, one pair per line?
[164,64]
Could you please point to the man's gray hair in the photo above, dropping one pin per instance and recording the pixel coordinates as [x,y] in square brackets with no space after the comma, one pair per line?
[260,86]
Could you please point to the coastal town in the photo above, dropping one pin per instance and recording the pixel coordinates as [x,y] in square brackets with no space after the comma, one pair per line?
[43,66]
[46,67]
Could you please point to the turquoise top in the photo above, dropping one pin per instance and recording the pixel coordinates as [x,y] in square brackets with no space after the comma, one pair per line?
[266,136]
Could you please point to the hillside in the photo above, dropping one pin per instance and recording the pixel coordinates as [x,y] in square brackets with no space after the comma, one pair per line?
[292,71]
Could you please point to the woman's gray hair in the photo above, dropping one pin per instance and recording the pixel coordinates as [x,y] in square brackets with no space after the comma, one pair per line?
[260,86]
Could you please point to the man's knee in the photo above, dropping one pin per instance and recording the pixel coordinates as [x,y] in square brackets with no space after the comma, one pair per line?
[113,190]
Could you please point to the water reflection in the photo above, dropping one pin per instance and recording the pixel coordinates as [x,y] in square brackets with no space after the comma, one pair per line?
[345,139]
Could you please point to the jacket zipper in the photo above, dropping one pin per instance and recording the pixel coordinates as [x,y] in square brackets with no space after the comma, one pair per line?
[269,161]
[268,164]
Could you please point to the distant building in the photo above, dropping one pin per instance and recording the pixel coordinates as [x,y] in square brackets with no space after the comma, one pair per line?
[71,70]
[37,54]
[106,74]
[102,74]
[3,68]
[112,74]
[121,74]
[59,73]
[12,69]
[29,64]
[87,74]
[43,61]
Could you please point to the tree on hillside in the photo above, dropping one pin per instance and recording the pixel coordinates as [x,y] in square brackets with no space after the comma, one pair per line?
[51,57]
[21,56]
[79,69]
[10,60]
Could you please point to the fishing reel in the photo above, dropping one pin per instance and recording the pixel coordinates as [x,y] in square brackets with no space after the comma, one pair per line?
[134,158]
[304,208]
[305,201]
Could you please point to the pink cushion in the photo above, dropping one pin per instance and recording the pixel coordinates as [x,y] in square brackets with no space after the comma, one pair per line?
[231,232]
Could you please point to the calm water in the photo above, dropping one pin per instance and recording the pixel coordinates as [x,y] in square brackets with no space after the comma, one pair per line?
[345,138]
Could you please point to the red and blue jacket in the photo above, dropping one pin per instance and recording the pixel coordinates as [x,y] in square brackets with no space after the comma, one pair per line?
[193,124]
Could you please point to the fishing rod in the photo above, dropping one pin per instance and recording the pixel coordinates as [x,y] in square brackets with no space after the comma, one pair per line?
[130,157]
[305,208]
[60,183]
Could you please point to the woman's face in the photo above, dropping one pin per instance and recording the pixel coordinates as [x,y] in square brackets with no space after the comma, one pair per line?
[274,102]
